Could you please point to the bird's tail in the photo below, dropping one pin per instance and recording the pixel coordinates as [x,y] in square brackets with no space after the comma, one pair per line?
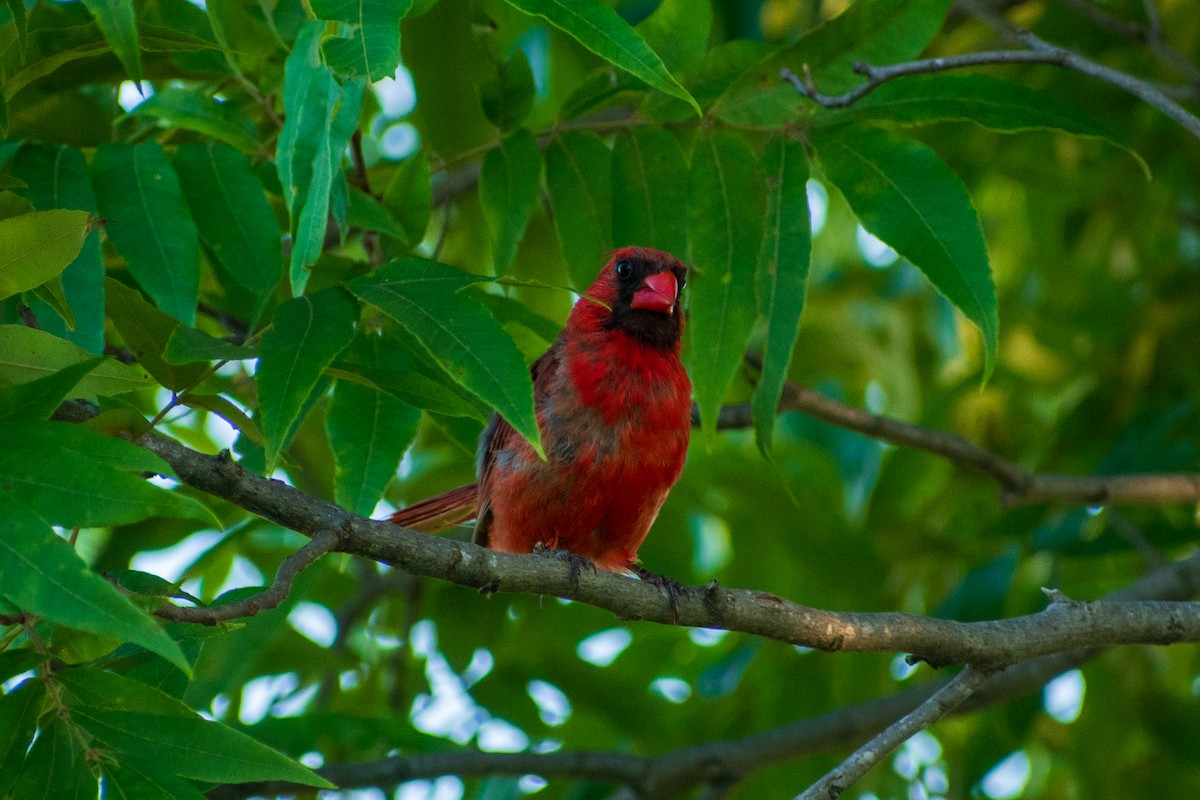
[440,511]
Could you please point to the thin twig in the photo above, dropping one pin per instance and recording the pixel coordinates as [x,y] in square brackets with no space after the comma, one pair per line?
[322,543]
[1038,51]
[864,758]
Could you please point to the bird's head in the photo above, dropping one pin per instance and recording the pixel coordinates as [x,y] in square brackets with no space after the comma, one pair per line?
[639,293]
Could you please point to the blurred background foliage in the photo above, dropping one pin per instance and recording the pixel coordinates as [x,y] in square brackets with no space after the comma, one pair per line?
[1097,276]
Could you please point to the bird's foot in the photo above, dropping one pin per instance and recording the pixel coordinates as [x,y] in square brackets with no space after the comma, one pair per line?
[576,562]
[669,586]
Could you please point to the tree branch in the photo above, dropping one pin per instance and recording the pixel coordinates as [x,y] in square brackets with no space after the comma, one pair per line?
[864,758]
[1018,487]
[1059,628]
[726,762]
[1038,51]
[322,542]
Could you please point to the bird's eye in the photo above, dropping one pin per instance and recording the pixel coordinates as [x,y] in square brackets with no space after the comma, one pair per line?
[623,268]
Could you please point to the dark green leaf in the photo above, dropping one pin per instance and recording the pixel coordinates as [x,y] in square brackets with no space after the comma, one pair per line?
[907,196]
[306,336]
[369,431]
[782,276]
[186,345]
[366,213]
[148,222]
[226,410]
[508,190]
[54,768]
[41,574]
[726,198]
[35,248]
[508,98]
[232,213]
[601,30]
[983,592]
[118,21]
[372,48]
[678,31]
[125,781]
[98,489]
[321,114]
[19,713]
[650,181]
[146,332]
[466,341]
[409,199]
[194,111]
[579,180]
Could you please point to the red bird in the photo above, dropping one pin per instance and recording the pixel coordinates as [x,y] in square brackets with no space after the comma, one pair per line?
[614,409]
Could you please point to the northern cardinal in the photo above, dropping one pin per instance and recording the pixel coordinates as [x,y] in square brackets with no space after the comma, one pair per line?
[614,409]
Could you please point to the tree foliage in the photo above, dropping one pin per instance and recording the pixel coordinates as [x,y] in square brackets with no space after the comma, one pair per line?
[323,240]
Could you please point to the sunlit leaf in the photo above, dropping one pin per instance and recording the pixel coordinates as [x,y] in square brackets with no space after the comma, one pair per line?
[37,247]
[37,399]
[27,354]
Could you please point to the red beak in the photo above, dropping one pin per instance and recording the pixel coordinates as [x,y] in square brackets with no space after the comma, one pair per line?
[657,293]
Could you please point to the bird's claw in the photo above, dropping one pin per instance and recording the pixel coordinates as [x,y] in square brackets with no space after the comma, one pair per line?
[671,587]
[576,562]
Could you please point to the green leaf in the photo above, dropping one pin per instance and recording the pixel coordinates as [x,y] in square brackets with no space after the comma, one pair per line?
[508,190]
[366,213]
[21,22]
[409,197]
[186,345]
[14,205]
[27,354]
[53,295]
[151,728]
[465,340]
[194,111]
[128,782]
[678,31]
[307,335]
[146,332]
[232,213]
[508,97]
[650,169]
[782,276]
[54,768]
[579,181]
[907,196]
[875,31]
[369,431]
[147,220]
[118,22]
[19,713]
[321,115]
[726,196]
[36,247]
[372,47]
[388,363]
[983,593]
[601,30]
[993,103]
[57,177]
[41,574]
[102,486]
[226,410]
[37,399]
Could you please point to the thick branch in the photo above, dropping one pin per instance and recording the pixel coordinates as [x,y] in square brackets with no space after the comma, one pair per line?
[1059,628]
[323,542]
[726,762]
